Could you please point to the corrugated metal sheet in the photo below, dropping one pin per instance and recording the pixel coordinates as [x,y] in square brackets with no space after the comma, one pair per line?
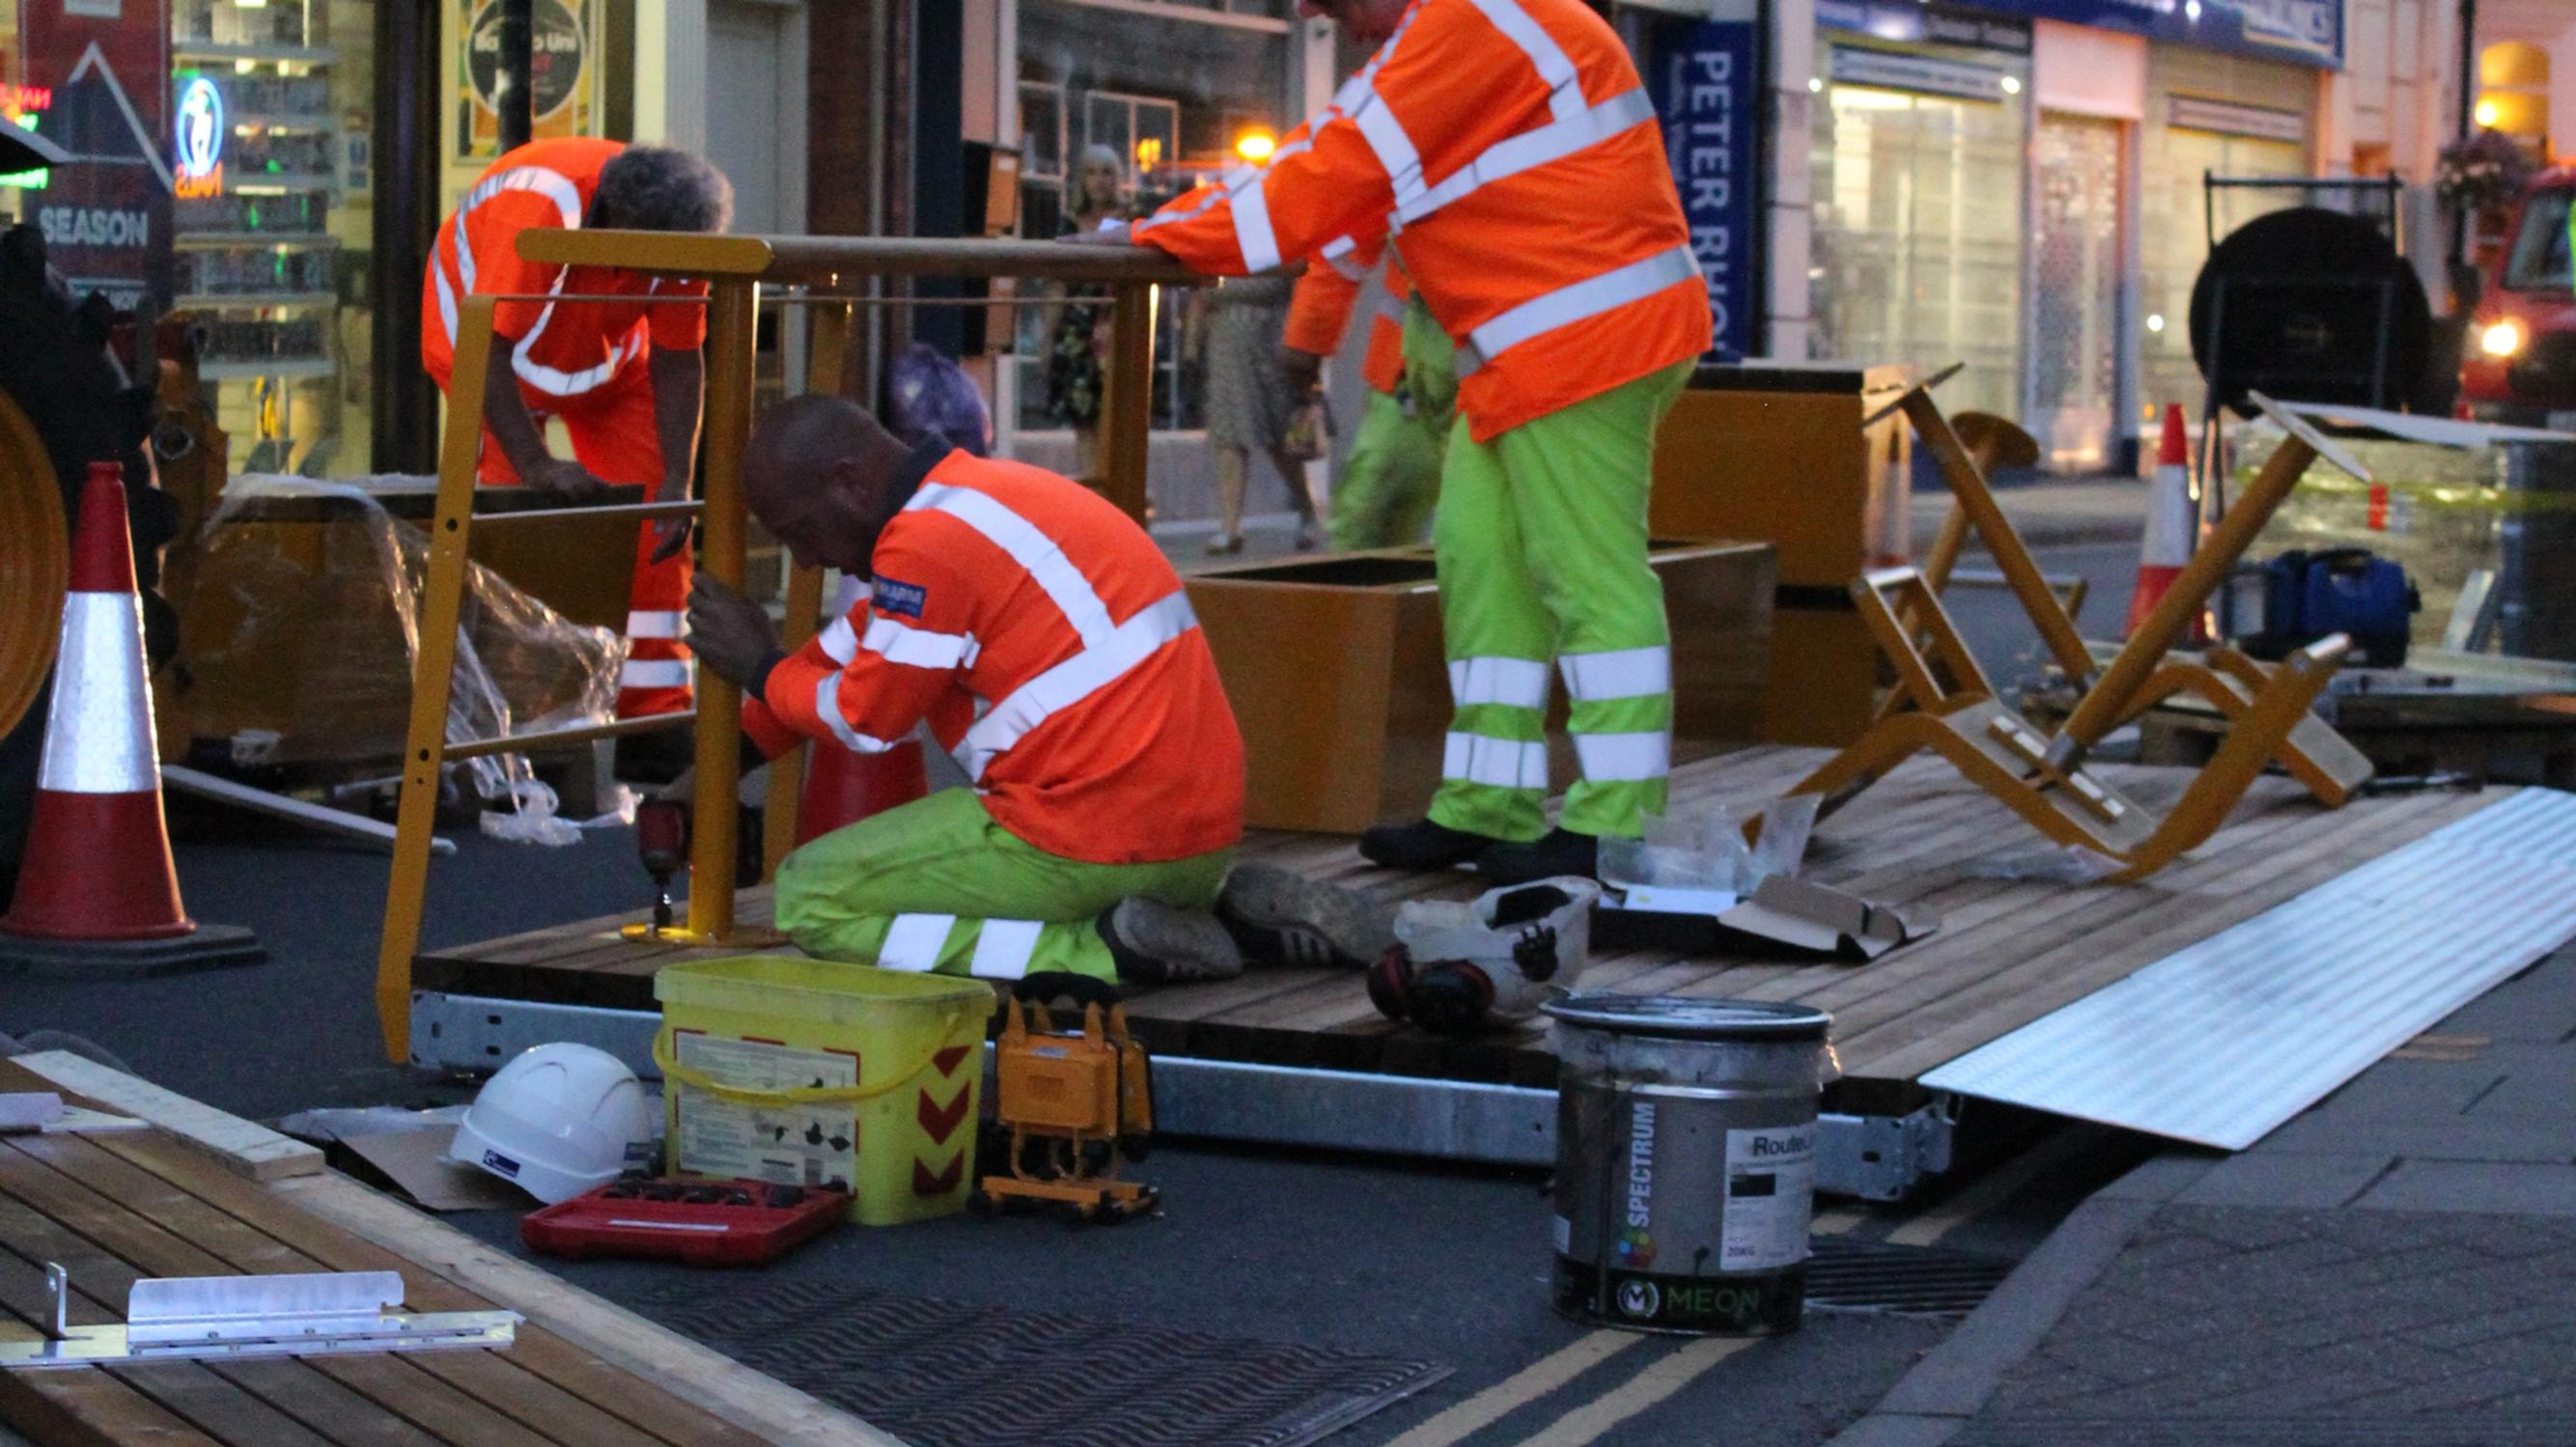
[2223,1041]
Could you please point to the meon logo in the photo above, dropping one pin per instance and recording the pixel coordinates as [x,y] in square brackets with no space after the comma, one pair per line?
[1639,1298]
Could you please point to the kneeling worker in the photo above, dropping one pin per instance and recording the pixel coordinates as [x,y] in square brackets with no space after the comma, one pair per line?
[1052,650]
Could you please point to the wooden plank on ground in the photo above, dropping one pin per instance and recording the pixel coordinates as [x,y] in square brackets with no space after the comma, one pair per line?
[245,1148]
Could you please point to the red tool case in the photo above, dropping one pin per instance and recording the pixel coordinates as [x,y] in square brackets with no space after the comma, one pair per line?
[703,1223]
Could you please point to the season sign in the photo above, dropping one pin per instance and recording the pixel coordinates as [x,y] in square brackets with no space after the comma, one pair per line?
[95,226]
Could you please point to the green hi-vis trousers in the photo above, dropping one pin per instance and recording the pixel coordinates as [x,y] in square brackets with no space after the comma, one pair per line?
[1392,477]
[1541,541]
[936,885]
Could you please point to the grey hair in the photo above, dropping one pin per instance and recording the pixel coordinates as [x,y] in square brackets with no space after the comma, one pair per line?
[659,188]
[1097,154]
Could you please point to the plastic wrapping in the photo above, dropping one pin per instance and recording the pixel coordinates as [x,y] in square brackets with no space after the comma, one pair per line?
[1706,851]
[303,622]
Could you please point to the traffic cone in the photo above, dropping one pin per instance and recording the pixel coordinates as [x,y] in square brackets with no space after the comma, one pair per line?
[2172,523]
[98,893]
[844,786]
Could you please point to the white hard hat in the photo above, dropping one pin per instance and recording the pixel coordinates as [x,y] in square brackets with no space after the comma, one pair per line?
[557,1121]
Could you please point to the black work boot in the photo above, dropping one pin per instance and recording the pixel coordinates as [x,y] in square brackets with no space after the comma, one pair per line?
[1161,944]
[1559,851]
[1422,844]
[1282,918]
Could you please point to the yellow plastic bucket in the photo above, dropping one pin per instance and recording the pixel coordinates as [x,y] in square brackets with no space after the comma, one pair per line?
[811,1072]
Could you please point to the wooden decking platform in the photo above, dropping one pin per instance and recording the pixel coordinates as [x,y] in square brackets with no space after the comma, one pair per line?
[2008,951]
[115,1207]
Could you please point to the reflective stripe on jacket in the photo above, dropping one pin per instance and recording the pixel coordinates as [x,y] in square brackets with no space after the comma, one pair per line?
[1322,307]
[560,350]
[1051,648]
[1509,150]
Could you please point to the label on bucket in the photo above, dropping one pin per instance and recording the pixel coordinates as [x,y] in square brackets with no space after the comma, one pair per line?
[1770,1195]
[797,1145]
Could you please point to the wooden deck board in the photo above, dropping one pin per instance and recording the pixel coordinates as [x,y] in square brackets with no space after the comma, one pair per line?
[2008,951]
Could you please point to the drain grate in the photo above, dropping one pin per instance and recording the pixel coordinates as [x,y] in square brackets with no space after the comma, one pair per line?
[1848,1275]
[953,1374]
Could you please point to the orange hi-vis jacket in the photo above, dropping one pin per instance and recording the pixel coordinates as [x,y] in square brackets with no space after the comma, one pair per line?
[1321,307]
[1508,149]
[561,350]
[1053,651]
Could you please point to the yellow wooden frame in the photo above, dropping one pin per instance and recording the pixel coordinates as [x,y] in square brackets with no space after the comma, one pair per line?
[2322,760]
[834,271]
[1954,711]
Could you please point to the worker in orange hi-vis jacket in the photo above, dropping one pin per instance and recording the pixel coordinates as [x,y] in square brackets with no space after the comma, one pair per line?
[627,376]
[1051,649]
[1508,151]
[1388,484]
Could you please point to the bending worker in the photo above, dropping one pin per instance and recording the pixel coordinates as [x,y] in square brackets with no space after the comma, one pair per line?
[1383,497]
[626,376]
[1051,649]
[1511,151]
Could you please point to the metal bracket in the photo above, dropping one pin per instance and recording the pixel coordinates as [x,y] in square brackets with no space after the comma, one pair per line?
[305,1314]
[1882,1157]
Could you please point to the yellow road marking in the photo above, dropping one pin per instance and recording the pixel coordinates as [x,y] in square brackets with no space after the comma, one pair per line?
[1993,1189]
[1836,1222]
[1658,1380]
[1517,1390]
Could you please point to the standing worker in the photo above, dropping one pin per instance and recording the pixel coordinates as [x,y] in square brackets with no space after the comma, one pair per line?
[1384,495]
[1510,148]
[577,359]
[1052,650]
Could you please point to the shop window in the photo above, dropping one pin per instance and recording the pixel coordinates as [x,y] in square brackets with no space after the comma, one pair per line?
[2513,91]
[1918,231]
[272,224]
[1168,88]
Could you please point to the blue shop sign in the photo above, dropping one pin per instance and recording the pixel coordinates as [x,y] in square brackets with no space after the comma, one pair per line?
[1705,82]
[2303,32]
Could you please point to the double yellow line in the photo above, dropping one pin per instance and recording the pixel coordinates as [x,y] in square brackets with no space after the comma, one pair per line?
[1669,1374]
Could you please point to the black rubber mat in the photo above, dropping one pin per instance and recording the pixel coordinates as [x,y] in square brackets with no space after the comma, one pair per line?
[950,1374]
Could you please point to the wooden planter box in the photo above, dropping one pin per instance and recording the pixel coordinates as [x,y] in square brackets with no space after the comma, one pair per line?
[1776,452]
[1337,677]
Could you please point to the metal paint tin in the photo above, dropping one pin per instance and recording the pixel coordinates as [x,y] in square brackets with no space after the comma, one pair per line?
[1686,1161]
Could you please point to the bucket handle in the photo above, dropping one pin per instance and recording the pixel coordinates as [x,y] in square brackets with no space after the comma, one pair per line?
[666,1059]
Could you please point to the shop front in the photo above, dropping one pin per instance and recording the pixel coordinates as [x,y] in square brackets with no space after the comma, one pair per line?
[2018,187]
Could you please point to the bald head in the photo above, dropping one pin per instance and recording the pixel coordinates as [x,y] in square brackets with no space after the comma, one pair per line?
[818,473]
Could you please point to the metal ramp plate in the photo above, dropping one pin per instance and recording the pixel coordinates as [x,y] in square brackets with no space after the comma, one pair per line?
[2226,1039]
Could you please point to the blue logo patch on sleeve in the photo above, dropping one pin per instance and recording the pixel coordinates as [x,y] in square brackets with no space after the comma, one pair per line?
[904,600]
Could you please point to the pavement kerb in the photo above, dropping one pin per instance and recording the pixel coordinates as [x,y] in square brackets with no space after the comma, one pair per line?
[1933,1401]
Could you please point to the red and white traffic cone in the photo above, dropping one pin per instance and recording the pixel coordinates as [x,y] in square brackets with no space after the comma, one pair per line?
[98,893]
[2172,526]
[844,786]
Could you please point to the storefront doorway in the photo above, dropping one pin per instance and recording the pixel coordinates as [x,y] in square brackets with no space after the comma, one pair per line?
[2076,248]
